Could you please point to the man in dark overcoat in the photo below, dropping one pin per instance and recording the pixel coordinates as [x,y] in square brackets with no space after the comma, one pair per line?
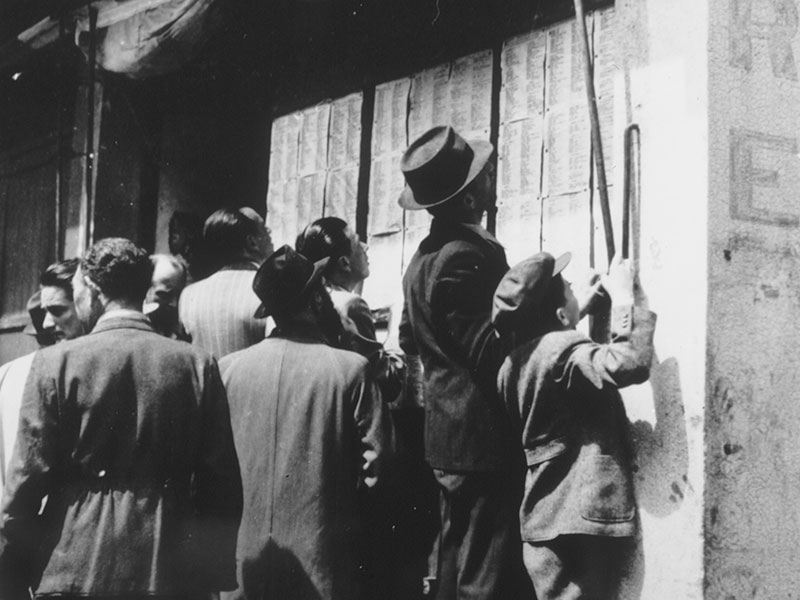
[448,290]
[310,430]
[127,434]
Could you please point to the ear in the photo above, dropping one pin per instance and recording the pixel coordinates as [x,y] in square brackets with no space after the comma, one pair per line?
[343,263]
[562,316]
[251,243]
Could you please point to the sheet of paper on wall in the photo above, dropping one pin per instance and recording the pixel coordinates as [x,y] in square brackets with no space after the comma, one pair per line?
[471,95]
[518,227]
[385,185]
[311,197]
[341,194]
[520,159]
[429,100]
[567,227]
[284,147]
[606,72]
[383,287]
[522,65]
[567,132]
[313,157]
[344,146]
[282,212]
[389,121]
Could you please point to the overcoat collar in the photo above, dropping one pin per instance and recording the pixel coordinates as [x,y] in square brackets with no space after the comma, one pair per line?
[443,231]
[123,319]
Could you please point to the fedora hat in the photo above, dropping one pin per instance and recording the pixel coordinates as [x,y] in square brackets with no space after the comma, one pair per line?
[284,279]
[438,165]
[523,288]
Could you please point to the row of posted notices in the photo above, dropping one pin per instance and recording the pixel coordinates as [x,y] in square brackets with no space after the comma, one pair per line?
[544,148]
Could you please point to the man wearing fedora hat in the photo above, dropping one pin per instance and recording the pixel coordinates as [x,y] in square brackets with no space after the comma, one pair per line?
[309,430]
[578,514]
[448,290]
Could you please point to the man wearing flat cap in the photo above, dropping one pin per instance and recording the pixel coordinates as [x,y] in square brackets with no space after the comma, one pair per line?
[578,514]
[446,320]
[309,430]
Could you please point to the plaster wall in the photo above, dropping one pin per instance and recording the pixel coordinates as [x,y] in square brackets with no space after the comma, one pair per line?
[663,78]
[753,459]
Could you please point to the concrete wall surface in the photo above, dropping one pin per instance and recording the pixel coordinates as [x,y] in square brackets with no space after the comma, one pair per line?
[663,76]
[753,458]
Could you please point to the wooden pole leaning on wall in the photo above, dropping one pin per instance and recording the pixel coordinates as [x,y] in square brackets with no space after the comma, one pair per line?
[597,142]
[90,116]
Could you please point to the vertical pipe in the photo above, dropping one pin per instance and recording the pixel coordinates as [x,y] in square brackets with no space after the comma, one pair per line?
[597,143]
[60,93]
[90,114]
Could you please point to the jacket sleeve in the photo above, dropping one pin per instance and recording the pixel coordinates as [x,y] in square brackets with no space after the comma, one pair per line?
[622,362]
[374,430]
[30,475]
[218,488]
[461,304]
[406,333]
[358,311]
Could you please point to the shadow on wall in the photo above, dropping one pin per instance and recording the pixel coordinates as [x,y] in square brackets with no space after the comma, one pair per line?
[662,452]
[662,461]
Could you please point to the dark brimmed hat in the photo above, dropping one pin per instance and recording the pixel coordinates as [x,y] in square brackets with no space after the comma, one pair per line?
[283,279]
[438,165]
[524,287]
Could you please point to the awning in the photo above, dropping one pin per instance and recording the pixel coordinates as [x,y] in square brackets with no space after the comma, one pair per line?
[139,38]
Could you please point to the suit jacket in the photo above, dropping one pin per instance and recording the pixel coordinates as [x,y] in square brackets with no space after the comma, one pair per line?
[448,290]
[217,312]
[561,393]
[306,422]
[128,435]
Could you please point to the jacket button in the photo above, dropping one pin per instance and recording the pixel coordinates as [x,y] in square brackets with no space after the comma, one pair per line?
[102,473]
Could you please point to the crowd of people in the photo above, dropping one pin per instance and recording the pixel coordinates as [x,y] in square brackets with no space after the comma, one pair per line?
[222,420]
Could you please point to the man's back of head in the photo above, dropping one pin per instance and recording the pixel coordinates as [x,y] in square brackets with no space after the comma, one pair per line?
[233,235]
[114,274]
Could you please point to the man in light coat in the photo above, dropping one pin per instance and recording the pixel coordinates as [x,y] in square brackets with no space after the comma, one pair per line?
[217,312]
[309,429]
[127,434]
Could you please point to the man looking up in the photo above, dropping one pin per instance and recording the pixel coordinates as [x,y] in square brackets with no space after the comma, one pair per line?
[217,312]
[446,320]
[128,435]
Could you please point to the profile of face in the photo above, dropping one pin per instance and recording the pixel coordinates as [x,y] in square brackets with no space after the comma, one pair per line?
[60,316]
[86,298]
[358,259]
[570,313]
[167,284]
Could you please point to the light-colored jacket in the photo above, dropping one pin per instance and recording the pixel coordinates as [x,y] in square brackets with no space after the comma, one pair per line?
[561,391]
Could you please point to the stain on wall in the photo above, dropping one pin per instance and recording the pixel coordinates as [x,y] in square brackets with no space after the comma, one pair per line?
[753,380]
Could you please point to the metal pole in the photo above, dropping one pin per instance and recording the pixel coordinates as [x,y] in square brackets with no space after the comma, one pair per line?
[597,143]
[60,91]
[630,196]
[89,171]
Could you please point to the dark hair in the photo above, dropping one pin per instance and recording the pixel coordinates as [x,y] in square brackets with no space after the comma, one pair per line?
[191,225]
[225,234]
[59,274]
[119,268]
[324,238]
